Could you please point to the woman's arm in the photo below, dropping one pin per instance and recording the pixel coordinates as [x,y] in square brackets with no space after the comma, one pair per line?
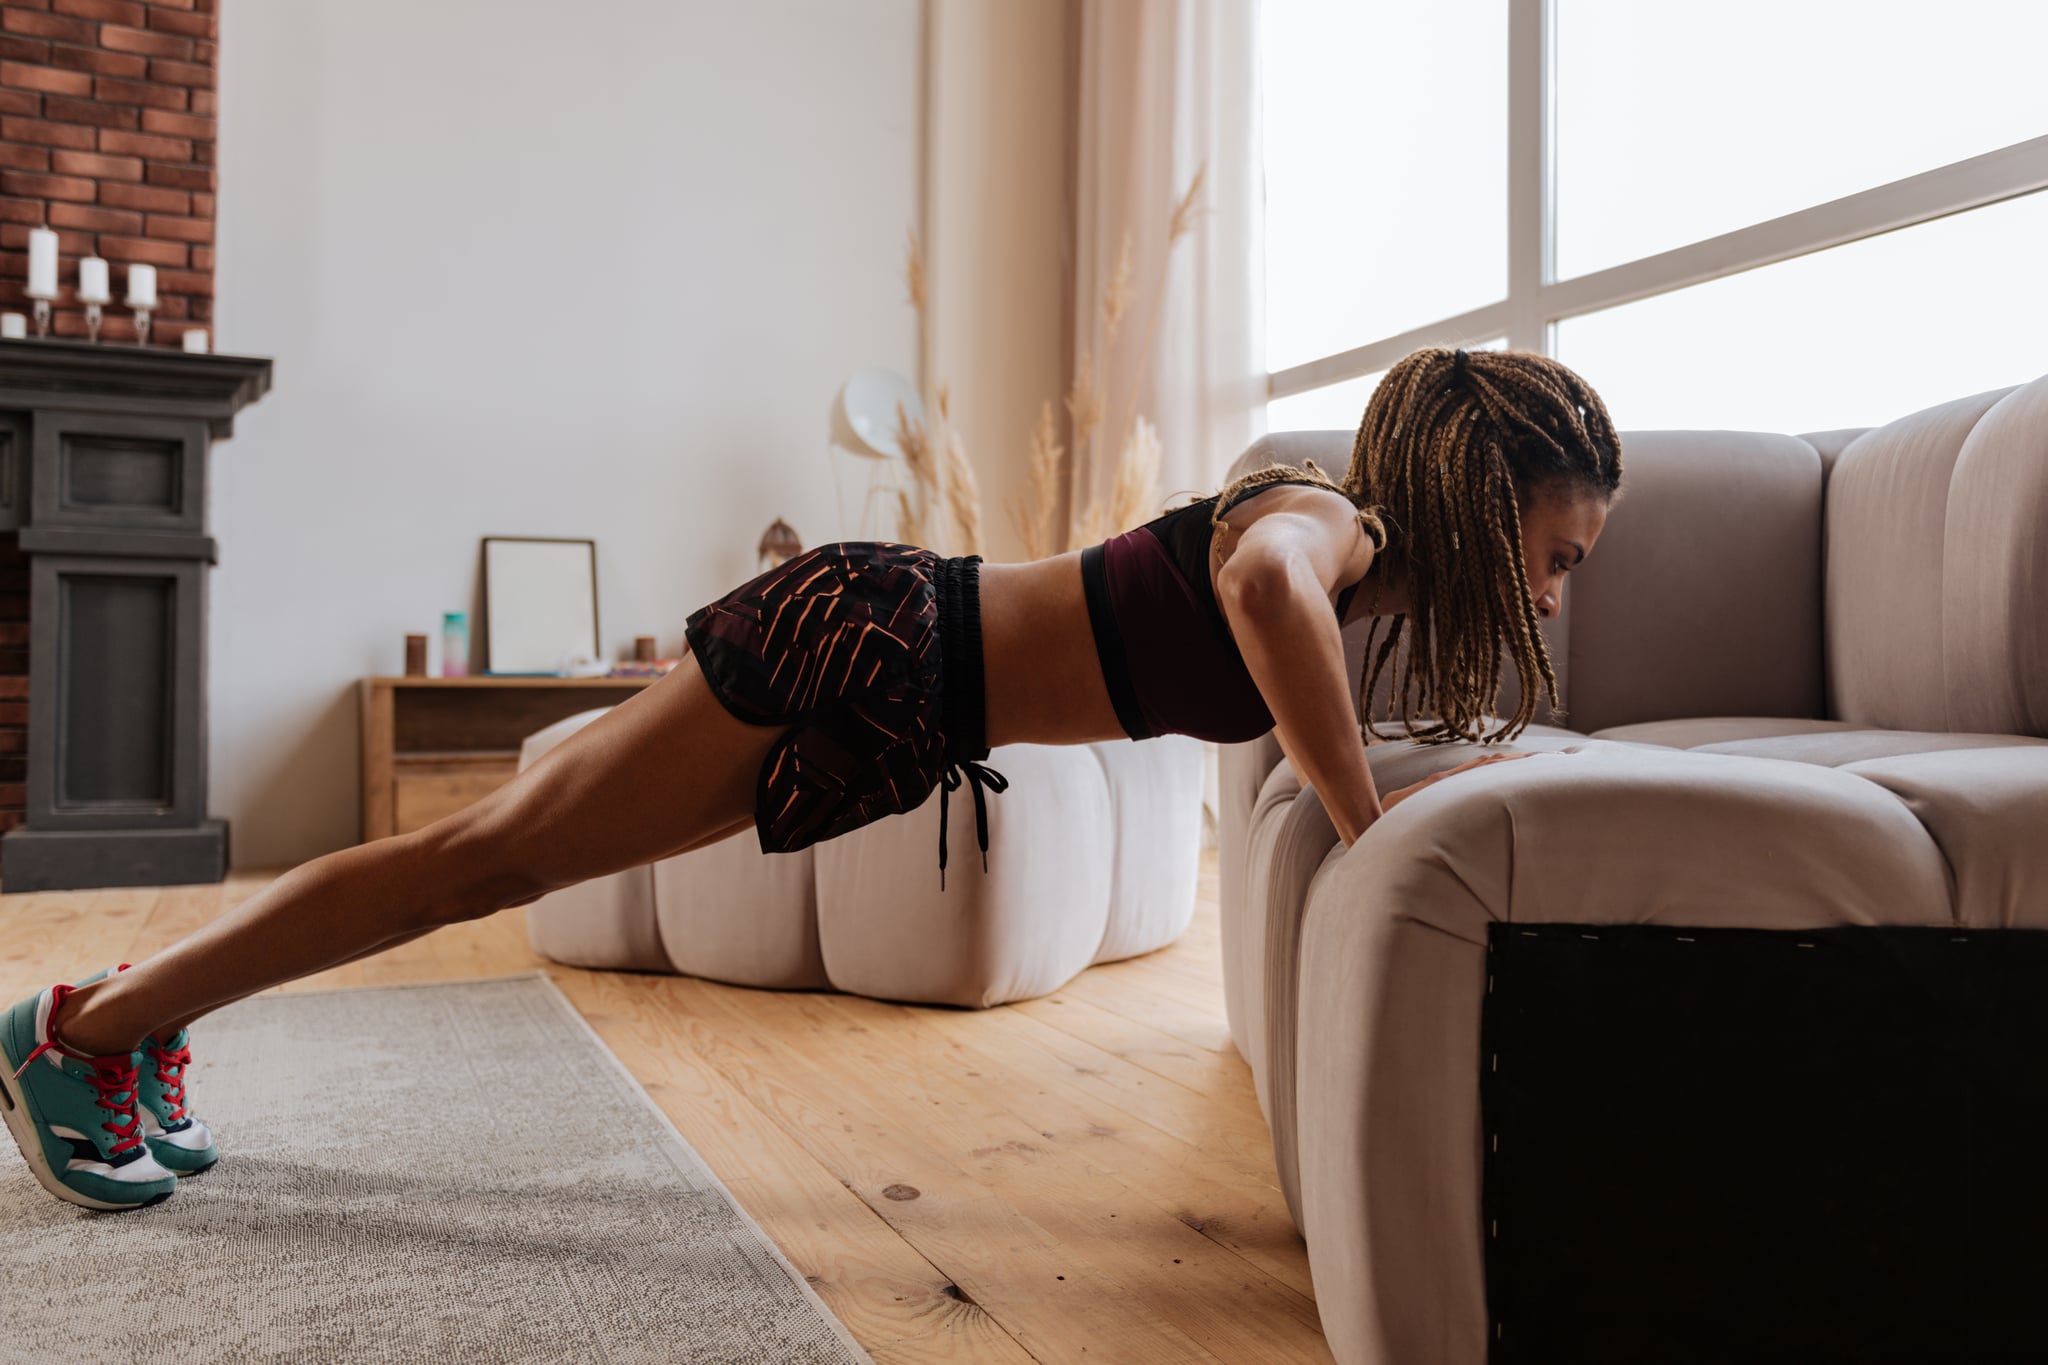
[1275,589]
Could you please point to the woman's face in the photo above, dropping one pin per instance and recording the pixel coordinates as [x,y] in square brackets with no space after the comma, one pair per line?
[1558,531]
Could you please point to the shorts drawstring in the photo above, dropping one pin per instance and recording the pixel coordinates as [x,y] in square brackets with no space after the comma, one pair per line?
[964,715]
[977,774]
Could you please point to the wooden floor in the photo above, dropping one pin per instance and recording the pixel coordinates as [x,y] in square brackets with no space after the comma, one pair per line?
[1084,1176]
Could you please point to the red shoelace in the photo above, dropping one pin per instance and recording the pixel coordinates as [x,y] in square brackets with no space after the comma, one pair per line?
[170,1073]
[111,1076]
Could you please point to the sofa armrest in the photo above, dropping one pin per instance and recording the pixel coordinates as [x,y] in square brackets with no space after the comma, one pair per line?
[1394,971]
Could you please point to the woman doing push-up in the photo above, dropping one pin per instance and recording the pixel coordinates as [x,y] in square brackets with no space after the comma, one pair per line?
[849,682]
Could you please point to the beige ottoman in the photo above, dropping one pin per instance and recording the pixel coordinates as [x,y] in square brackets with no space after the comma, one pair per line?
[1093,855]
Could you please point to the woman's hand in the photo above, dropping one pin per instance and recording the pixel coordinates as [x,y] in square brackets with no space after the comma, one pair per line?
[1393,798]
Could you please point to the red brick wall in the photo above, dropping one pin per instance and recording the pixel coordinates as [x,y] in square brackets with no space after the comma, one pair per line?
[106,135]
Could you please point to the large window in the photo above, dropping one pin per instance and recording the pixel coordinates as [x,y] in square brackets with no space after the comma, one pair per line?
[1784,219]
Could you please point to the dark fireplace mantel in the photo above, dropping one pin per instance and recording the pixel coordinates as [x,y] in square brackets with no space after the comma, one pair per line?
[103,468]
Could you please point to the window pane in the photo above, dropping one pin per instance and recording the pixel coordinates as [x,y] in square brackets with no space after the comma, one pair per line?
[1333,407]
[1386,168]
[1671,128]
[1849,337]
[1341,406]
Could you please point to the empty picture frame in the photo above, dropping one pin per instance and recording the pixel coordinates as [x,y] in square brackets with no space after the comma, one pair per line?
[540,603]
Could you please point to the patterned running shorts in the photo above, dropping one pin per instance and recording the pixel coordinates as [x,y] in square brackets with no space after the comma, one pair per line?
[871,651]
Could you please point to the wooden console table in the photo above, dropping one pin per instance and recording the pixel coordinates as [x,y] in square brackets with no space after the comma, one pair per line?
[434,745]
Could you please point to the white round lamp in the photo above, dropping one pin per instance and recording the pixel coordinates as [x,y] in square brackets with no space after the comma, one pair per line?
[864,414]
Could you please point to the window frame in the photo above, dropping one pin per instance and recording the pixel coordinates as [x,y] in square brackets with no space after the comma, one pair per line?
[1537,301]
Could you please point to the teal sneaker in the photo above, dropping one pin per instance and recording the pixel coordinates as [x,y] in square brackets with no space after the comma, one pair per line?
[181,1143]
[177,1139]
[74,1117]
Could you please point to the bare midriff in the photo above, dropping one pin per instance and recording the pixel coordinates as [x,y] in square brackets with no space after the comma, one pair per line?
[1044,681]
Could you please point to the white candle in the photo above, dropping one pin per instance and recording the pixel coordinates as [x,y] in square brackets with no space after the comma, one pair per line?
[92,281]
[195,339]
[13,324]
[142,286]
[42,263]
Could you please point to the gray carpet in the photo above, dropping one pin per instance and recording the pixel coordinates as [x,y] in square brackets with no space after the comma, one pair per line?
[432,1173]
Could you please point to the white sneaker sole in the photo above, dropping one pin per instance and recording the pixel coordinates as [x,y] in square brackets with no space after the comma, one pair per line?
[15,1106]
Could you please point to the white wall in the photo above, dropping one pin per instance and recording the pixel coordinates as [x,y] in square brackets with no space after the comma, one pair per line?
[527,269]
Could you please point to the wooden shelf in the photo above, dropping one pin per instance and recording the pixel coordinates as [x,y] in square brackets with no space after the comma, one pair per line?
[431,746]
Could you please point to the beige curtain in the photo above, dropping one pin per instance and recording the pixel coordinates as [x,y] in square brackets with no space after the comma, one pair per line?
[1167,88]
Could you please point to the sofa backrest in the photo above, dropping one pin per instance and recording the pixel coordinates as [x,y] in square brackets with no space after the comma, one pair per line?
[1937,569]
[1703,596]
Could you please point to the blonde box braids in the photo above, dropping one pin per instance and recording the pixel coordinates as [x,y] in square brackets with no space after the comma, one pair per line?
[1451,444]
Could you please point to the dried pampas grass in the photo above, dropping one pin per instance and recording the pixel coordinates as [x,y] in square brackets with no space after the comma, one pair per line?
[1137,477]
[941,508]
[913,272]
[1116,299]
[1033,522]
[963,495]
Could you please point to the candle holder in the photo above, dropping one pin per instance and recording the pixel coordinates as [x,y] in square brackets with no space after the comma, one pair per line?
[142,326]
[92,323]
[42,316]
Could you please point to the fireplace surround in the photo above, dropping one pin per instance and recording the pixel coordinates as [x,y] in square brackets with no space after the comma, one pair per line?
[103,479]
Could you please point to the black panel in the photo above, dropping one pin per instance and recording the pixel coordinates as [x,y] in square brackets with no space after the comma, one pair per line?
[115,723]
[1711,1145]
[13,460]
[125,473]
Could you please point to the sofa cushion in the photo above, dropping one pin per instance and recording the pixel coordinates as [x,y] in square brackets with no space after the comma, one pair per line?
[1888,539]
[1698,730]
[1833,748]
[1987,810]
[1829,445]
[1703,597]
[1995,571]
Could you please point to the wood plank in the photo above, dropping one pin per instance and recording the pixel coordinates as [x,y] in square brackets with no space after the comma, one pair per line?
[421,798]
[378,739]
[1236,1207]
[1217,1072]
[899,1305]
[1236,1137]
[1138,1209]
[1056,1302]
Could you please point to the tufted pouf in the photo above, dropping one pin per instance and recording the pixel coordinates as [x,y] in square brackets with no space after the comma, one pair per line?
[1093,854]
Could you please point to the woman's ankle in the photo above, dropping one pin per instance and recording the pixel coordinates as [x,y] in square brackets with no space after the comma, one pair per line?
[90,1023]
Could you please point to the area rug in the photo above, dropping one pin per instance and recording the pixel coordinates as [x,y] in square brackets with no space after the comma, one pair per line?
[452,1172]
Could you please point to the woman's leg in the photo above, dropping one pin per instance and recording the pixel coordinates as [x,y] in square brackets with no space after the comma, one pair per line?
[171,1029]
[665,772]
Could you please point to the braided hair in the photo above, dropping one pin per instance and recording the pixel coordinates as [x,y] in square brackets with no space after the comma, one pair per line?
[1453,446]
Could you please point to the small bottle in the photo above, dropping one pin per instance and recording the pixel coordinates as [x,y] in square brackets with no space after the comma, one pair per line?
[454,645]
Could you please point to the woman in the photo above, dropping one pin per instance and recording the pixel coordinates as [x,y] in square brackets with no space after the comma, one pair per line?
[844,685]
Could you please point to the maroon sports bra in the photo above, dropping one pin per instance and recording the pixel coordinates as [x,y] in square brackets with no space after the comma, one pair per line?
[1166,652]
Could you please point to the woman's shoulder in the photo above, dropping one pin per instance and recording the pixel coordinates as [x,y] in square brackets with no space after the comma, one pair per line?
[1265,480]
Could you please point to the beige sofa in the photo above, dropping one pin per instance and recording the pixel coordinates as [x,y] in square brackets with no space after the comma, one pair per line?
[1806,681]
[1093,856]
